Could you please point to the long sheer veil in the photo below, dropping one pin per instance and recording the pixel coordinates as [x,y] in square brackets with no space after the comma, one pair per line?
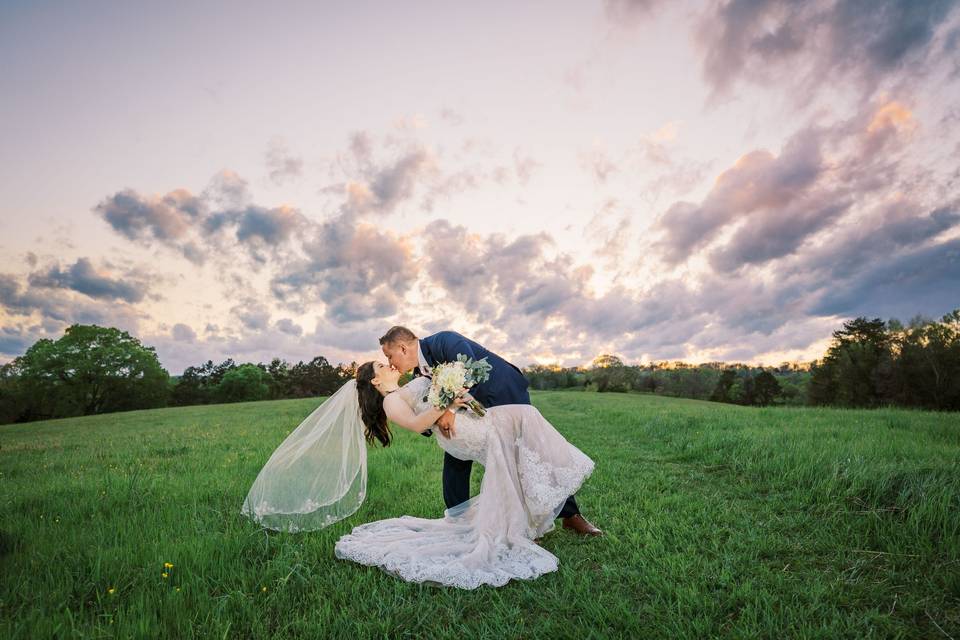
[318,474]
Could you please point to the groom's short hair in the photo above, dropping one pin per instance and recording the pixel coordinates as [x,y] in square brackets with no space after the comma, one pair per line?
[397,334]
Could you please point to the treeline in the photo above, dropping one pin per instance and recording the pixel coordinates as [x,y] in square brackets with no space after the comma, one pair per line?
[869,363]
[717,381]
[230,382]
[89,370]
[873,363]
[93,369]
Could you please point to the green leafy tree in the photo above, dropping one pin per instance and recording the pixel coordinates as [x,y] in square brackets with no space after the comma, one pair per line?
[743,391]
[927,371]
[198,385]
[318,377]
[608,373]
[820,389]
[279,372]
[766,388]
[553,377]
[243,383]
[606,360]
[721,392]
[13,403]
[850,373]
[91,369]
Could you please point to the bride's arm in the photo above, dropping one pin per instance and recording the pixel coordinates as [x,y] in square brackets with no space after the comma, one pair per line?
[400,413]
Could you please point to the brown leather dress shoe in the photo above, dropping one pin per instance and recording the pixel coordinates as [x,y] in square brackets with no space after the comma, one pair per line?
[581,525]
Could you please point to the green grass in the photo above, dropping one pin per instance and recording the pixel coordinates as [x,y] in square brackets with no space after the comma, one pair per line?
[721,521]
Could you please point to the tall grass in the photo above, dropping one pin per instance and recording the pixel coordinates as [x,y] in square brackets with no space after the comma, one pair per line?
[720,520]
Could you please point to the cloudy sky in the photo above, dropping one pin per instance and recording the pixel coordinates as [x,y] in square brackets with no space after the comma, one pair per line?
[660,180]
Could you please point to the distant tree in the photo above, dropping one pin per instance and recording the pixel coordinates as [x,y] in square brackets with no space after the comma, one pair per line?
[821,389]
[317,378]
[13,401]
[198,385]
[279,372]
[927,371]
[608,373]
[189,388]
[793,389]
[89,370]
[606,360]
[553,376]
[721,392]
[766,388]
[348,371]
[743,390]
[243,383]
[849,372]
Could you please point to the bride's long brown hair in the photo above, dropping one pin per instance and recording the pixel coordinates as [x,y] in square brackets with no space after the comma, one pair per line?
[371,406]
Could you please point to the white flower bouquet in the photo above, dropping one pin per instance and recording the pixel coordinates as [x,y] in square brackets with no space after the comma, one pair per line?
[451,378]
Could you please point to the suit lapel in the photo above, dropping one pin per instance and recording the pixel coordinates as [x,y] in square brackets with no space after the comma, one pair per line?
[427,354]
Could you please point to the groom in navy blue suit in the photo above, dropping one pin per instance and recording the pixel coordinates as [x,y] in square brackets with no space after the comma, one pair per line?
[506,385]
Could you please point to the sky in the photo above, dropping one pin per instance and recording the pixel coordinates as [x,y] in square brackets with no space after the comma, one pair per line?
[658,180]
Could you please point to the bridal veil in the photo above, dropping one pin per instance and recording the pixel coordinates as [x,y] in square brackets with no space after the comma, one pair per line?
[318,474]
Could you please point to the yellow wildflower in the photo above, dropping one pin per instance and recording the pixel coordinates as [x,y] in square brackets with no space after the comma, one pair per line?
[263,589]
[111,590]
[164,574]
[168,565]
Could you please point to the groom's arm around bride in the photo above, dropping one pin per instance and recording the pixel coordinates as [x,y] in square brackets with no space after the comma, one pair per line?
[506,385]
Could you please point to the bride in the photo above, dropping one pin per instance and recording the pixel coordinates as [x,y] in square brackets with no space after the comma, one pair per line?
[318,476]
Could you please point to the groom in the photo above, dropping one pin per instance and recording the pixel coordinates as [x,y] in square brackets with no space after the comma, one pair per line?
[506,385]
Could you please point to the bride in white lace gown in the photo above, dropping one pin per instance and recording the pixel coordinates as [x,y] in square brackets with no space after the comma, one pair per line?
[529,470]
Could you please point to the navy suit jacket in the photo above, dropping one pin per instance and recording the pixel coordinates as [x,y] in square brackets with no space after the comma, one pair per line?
[506,385]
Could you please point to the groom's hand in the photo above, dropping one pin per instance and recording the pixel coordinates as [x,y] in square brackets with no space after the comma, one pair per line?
[445,424]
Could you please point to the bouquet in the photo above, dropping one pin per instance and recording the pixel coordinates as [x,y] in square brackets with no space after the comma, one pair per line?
[451,378]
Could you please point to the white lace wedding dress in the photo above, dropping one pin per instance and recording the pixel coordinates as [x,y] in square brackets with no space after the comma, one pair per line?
[529,470]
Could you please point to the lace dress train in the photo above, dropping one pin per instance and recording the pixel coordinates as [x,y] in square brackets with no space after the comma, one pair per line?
[529,470]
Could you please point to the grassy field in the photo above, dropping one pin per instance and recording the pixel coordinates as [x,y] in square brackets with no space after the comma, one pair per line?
[721,521]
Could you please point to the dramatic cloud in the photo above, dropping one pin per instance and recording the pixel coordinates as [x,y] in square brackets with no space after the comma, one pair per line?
[195,226]
[256,227]
[380,185]
[357,270]
[894,228]
[288,326]
[253,314]
[167,219]
[59,307]
[82,277]
[183,333]
[766,207]
[491,275]
[759,183]
[749,227]
[382,175]
[819,43]
[16,340]
[899,287]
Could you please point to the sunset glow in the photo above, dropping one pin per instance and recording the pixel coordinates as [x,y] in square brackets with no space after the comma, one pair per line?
[644,178]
